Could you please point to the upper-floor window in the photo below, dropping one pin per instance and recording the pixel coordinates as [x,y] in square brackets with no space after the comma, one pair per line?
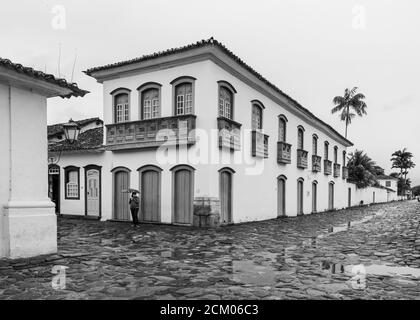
[183,95]
[344,158]
[326,146]
[121,105]
[315,145]
[282,128]
[256,116]
[388,184]
[226,100]
[300,141]
[150,104]
[335,154]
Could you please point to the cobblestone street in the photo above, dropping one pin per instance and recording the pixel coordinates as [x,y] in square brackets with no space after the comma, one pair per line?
[309,257]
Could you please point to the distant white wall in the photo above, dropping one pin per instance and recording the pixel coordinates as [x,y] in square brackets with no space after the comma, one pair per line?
[4,163]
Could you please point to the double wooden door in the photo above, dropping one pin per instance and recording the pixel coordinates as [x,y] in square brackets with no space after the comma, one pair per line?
[121,196]
[183,186]
[150,195]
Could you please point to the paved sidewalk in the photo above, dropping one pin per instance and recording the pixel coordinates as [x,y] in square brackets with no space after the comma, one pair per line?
[310,257]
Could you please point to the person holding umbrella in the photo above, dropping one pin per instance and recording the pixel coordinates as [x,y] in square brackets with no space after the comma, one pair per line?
[134,206]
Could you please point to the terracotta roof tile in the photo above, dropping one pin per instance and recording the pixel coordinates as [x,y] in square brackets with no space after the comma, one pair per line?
[89,140]
[76,91]
[58,127]
[213,42]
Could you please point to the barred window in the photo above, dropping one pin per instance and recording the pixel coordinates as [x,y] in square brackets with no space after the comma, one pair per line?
[72,181]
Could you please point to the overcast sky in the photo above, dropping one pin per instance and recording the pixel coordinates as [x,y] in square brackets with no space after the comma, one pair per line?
[310,49]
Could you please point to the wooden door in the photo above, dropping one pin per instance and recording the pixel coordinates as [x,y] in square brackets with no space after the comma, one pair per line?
[331,196]
[281,197]
[92,188]
[300,197]
[121,196]
[314,197]
[349,198]
[183,196]
[226,196]
[150,196]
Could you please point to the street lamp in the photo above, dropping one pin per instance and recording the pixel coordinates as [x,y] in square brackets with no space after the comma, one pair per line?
[71,131]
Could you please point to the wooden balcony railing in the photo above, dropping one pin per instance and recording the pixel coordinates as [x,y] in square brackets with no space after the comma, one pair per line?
[302,159]
[327,167]
[284,152]
[316,163]
[337,170]
[229,133]
[151,132]
[345,173]
[259,144]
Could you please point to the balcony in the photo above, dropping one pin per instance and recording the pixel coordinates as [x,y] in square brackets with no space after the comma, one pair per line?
[302,159]
[327,167]
[259,144]
[316,163]
[229,134]
[284,152]
[345,173]
[151,133]
[337,170]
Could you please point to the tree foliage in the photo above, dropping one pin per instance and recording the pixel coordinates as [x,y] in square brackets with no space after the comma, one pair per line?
[362,169]
[349,105]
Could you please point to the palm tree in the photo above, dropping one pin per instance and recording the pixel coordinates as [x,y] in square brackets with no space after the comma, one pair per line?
[402,159]
[362,169]
[349,105]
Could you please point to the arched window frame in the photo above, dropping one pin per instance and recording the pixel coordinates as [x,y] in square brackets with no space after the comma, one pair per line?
[67,183]
[143,88]
[283,120]
[315,144]
[335,154]
[257,104]
[221,105]
[301,129]
[175,83]
[344,158]
[126,111]
[326,150]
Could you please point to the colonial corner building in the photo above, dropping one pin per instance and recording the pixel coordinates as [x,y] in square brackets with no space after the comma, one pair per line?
[28,224]
[291,162]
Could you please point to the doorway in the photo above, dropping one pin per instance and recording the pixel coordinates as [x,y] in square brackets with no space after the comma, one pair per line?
[93,186]
[331,196]
[281,196]
[314,196]
[54,186]
[226,177]
[150,191]
[183,190]
[121,186]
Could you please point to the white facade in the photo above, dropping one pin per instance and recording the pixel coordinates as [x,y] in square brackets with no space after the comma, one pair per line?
[255,180]
[27,222]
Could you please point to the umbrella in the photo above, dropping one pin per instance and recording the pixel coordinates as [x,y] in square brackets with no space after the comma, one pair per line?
[130,191]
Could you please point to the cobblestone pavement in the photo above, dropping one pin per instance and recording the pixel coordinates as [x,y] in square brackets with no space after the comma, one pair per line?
[310,257]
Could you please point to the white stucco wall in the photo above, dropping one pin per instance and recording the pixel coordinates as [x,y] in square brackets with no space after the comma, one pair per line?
[255,180]
[29,223]
[4,163]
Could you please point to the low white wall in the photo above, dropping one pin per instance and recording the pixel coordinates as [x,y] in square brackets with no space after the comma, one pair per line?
[4,163]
